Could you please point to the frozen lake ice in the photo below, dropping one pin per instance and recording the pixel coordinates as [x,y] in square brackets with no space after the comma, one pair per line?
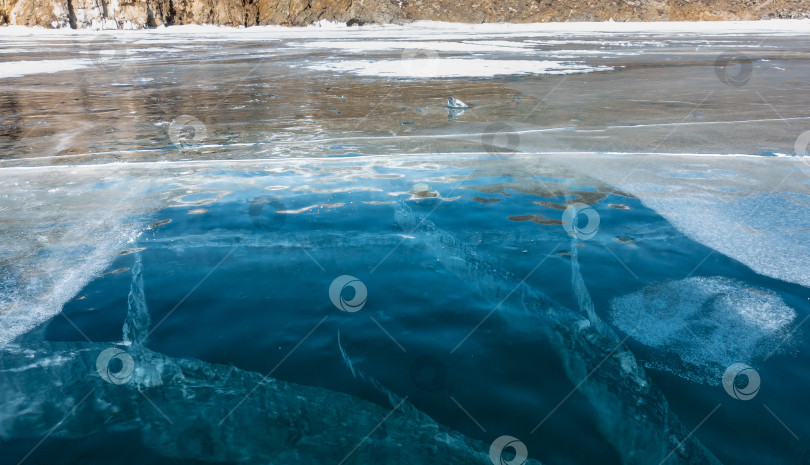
[603,258]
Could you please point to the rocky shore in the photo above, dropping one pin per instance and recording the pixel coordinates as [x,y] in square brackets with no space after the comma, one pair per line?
[136,14]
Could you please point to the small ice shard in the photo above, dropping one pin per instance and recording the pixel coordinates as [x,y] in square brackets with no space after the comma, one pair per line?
[455,103]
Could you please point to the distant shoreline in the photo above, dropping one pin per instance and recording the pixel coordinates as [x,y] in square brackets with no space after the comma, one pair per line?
[773,26]
[110,14]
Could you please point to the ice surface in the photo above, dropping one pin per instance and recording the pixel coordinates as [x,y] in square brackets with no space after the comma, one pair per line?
[764,233]
[252,418]
[632,413]
[63,225]
[749,207]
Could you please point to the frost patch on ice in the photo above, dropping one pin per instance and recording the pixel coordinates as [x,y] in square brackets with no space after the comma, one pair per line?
[699,326]
[454,67]
[25,68]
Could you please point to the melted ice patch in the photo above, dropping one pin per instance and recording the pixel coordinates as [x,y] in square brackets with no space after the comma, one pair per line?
[24,68]
[698,326]
[454,67]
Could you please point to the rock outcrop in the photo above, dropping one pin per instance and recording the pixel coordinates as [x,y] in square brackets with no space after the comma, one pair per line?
[135,14]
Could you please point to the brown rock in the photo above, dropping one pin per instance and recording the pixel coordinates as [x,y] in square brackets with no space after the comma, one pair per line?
[50,13]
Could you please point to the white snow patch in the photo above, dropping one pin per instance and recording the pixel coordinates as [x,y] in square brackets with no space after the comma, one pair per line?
[453,67]
[24,68]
